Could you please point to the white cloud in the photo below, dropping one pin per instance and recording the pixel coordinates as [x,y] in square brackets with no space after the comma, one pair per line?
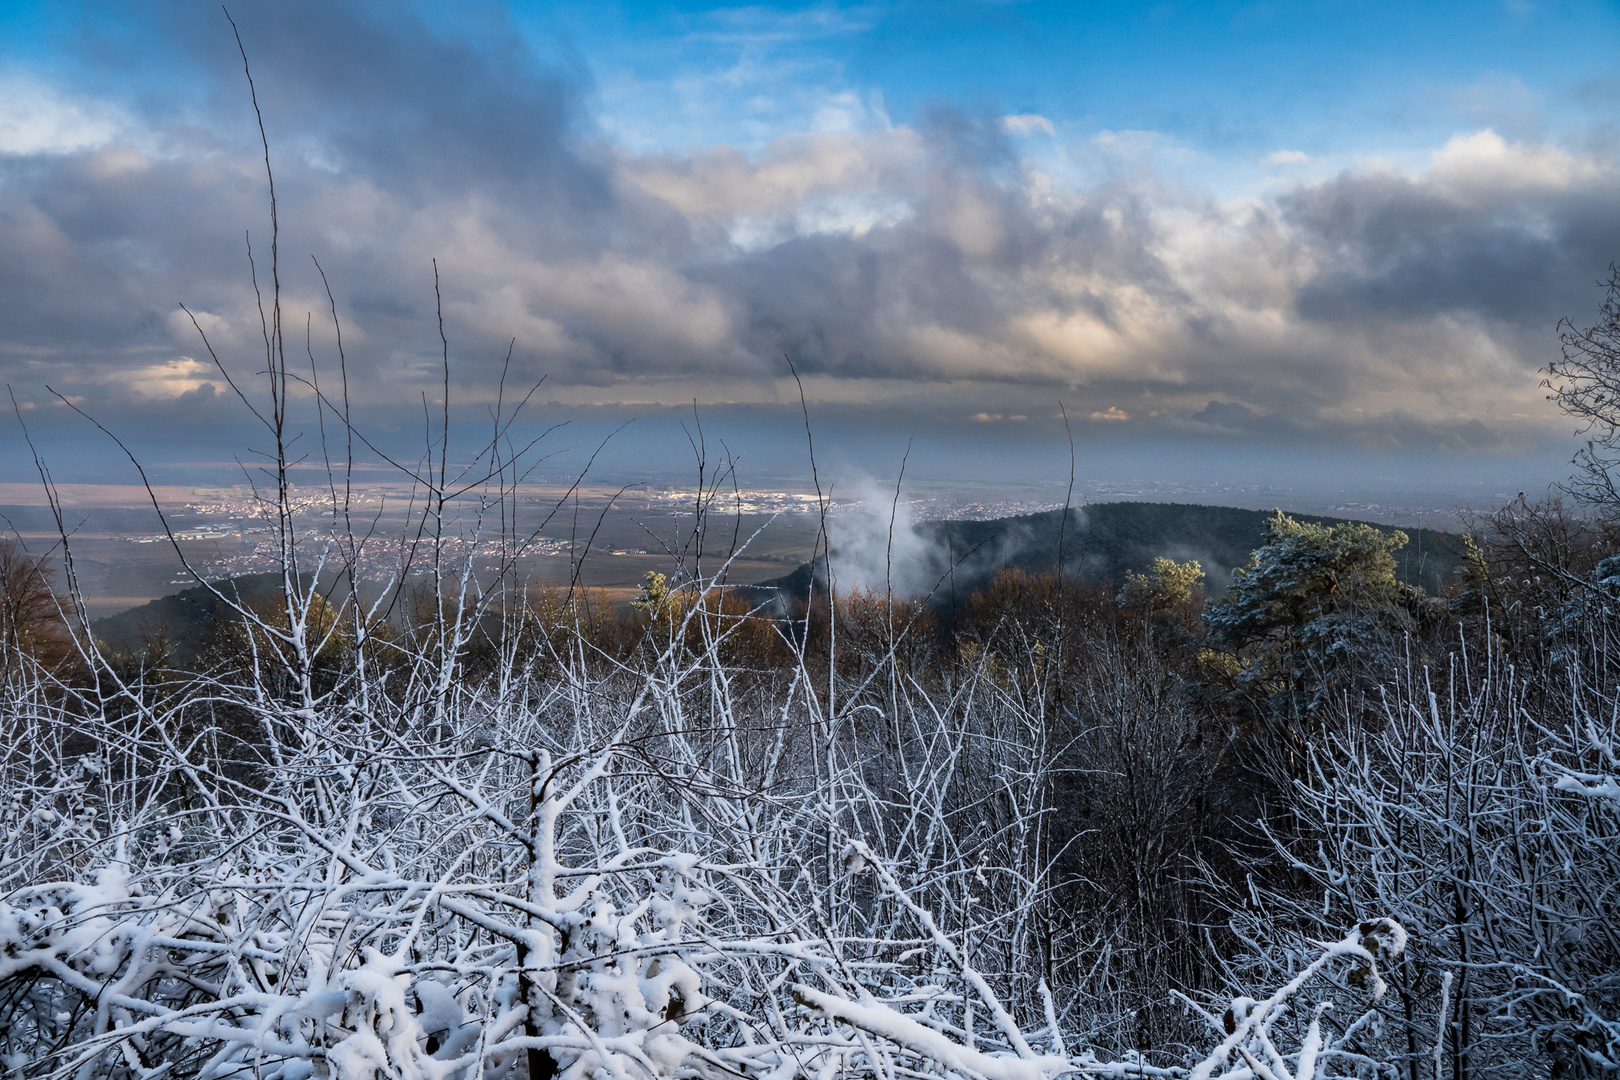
[37,118]
[840,112]
[790,171]
[1286,157]
[1486,163]
[1028,124]
[171,378]
[1129,143]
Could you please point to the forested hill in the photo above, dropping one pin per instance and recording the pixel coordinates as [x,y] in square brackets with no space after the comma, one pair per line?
[180,621]
[1102,542]
[1105,541]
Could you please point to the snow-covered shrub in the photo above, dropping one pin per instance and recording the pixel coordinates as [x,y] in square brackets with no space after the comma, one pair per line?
[567,868]
[1474,810]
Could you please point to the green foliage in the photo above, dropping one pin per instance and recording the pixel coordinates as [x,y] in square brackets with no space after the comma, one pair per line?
[1317,608]
[1167,584]
[662,605]
[654,593]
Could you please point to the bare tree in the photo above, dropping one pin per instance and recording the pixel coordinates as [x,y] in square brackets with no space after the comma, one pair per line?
[1585,383]
[30,615]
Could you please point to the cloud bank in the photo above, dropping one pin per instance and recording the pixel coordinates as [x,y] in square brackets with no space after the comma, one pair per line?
[930,266]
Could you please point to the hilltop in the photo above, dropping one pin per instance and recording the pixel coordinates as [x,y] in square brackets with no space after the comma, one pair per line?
[179,621]
[1105,541]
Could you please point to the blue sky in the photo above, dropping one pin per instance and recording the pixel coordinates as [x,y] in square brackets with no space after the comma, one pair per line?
[1223,80]
[1349,227]
[1226,81]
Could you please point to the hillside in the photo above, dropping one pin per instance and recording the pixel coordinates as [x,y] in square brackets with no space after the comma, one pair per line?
[179,622]
[1102,542]
[1105,541]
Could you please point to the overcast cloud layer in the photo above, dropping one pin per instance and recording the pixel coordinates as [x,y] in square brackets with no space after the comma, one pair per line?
[930,267]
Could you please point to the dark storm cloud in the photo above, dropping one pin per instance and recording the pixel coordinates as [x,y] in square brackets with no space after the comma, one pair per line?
[857,306]
[93,238]
[1400,248]
[435,110]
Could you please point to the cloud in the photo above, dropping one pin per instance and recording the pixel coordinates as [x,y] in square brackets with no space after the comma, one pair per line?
[922,262]
[1028,124]
[1494,243]
[173,378]
[1223,414]
[1286,157]
[38,118]
[876,544]
[1487,166]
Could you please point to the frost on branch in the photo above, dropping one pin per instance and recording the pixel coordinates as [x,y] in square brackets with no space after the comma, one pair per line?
[585,876]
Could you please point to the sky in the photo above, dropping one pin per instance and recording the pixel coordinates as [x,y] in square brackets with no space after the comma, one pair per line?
[1325,243]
